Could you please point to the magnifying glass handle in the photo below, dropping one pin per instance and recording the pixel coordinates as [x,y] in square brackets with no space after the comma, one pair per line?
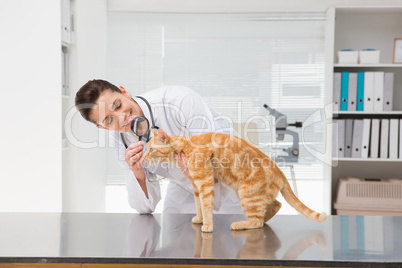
[144,141]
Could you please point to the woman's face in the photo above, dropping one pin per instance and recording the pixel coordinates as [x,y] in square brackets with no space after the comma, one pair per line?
[115,111]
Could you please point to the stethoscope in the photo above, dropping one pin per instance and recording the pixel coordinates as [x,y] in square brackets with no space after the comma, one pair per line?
[140,126]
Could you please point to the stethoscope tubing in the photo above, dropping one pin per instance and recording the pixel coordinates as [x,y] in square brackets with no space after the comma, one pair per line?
[152,121]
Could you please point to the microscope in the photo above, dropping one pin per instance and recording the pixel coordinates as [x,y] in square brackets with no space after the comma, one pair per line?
[291,153]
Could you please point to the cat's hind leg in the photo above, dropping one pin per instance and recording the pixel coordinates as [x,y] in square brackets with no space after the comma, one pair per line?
[272,209]
[254,206]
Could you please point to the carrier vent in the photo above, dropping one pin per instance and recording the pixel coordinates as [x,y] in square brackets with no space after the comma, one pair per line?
[359,196]
[374,190]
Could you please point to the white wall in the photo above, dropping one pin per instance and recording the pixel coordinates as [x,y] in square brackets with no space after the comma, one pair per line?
[84,169]
[30,137]
[238,5]
[216,5]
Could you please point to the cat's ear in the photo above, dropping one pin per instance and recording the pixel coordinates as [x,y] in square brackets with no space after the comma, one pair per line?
[163,137]
[154,132]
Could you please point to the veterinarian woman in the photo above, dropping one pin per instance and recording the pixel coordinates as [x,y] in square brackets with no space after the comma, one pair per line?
[175,109]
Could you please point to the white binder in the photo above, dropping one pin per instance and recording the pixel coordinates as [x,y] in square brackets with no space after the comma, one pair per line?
[341,135]
[393,138]
[400,138]
[357,138]
[338,138]
[388,91]
[375,138]
[384,138]
[378,91]
[348,137]
[335,138]
[366,138]
[337,91]
[352,94]
[368,91]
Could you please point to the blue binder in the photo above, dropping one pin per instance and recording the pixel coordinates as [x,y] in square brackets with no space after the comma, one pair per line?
[344,91]
[360,92]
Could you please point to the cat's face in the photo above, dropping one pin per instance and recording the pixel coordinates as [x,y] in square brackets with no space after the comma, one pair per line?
[158,148]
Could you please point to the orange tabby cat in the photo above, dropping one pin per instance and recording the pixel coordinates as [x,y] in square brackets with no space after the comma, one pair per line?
[235,162]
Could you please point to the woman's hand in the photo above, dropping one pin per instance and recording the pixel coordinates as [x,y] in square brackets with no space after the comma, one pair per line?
[183,164]
[134,158]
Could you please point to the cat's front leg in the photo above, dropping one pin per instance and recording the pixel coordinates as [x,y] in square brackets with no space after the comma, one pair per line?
[198,217]
[203,179]
[183,164]
[205,186]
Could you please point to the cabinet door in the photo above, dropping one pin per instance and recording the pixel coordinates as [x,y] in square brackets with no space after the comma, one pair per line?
[66,21]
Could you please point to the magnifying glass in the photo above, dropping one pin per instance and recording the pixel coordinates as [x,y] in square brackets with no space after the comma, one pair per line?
[140,127]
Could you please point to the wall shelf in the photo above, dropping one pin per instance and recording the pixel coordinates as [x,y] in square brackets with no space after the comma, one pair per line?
[369,113]
[349,159]
[362,114]
[380,65]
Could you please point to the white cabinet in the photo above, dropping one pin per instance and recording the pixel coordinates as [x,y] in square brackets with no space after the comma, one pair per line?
[66,25]
[363,28]
[66,22]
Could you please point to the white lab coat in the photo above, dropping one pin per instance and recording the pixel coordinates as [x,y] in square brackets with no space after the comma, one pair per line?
[178,111]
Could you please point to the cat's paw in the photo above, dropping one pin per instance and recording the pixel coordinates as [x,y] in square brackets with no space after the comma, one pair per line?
[207,228]
[237,226]
[196,219]
[243,225]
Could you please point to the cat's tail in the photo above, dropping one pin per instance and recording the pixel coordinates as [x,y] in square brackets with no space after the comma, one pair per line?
[290,197]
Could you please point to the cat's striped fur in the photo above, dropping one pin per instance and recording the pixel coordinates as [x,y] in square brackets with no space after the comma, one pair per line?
[235,162]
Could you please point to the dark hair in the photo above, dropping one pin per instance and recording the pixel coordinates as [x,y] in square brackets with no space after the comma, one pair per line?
[88,95]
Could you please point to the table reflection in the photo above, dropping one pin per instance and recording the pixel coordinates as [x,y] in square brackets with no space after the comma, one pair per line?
[179,237]
[152,238]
